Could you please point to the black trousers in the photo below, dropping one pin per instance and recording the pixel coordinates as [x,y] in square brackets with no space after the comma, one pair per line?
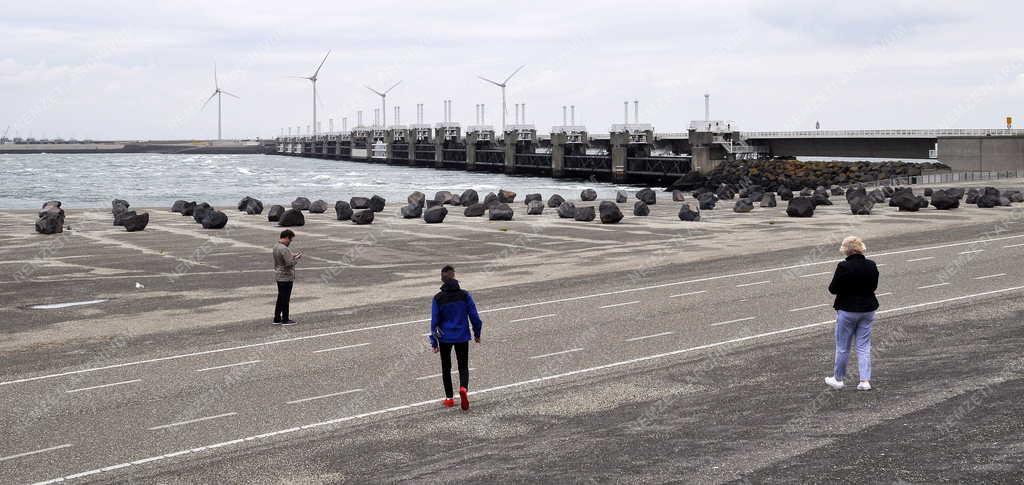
[284,294]
[462,355]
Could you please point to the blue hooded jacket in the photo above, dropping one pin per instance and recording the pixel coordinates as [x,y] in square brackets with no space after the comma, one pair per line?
[452,312]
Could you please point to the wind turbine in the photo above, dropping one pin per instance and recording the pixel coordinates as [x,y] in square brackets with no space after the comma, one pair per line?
[217,91]
[502,85]
[383,102]
[313,80]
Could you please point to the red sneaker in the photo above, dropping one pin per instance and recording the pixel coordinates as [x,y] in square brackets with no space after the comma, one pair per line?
[464,398]
[448,403]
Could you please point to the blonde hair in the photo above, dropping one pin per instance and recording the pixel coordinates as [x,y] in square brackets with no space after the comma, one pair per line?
[852,245]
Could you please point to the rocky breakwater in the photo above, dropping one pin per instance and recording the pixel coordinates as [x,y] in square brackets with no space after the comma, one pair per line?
[795,174]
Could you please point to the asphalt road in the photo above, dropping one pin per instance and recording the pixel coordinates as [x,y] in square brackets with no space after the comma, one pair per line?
[704,371]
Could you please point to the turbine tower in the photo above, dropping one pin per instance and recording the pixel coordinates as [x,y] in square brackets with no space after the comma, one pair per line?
[313,79]
[383,102]
[502,85]
[217,91]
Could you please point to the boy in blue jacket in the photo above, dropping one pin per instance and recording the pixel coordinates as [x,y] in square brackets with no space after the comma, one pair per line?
[452,312]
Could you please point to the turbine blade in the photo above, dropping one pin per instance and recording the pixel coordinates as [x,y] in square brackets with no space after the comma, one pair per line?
[392,87]
[216,83]
[208,99]
[229,94]
[375,91]
[492,82]
[514,73]
[321,64]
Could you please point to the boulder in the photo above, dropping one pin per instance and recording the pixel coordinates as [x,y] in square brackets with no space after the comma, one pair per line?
[942,201]
[743,205]
[820,198]
[768,200]
[343,210]
[363,217]
[188,208]
[687,214]
[244,202]
[641,209]
[469,197]
[972,196]
[301,204]
[535,208]
[413,211]
[435,215]
[456,200]
[318,206]
[377,203]
[52,204]
[753,193]
[216,220]
[785,193]
[475,210]
[588,195]
[621,197]
[137,222]
[648,196]
[905,200]
[51,221]
[118,205]
[567,210]
[1014,196]
[253,207]
[120,217]
[491,200]
[584,214]
[922,202]
[444,197]
[928,191]
[678,196]
[956,193]
[178,206]
[877,196]
[417,199]
[989,198]
[505,197]
[610,212]
[275,212]
[433,203]
[725,192]
[359,202]
[291,218]
[860,202]
[837,191]
[200,211]
[707,201]
[533,198]
[800,207]
[500,211]
[555,201]
[806,192]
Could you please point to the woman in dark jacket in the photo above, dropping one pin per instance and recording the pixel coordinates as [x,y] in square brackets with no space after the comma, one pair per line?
[854,285]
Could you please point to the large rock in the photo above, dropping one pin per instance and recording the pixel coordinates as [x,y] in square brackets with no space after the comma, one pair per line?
[743,205]
[291,218]
[621,197]
[800,207]
[567,210]
[687,214]
[641,209]
[491,200]
[877,196]
[417,199]
[928,191]
[301,204]
[275,212]
[821,198]
[456,200]
[584,214]
[120,217]
[318,206]
[588,195]
[753,193]
[785,193]
[533,198]
[860,202]
[435,215]
[768,200]
[118,205]
[1015,196]
[200,212]
[905,200]
[51,204]
[610,212]
[725,192]
[837,191]
[51,221]
[377,203]
[413,211]
[648,196]
[535,208]
[989,198]
[943,201]
[444,197]
[469,197]
[475,210]
[956,193]
[359,202]
[500,211]
[506,197]
[343,210]
[972,196]
[137,222]
[555,201]
[188,208]
[253,207]
[215,220]
[707,201]
[678,196]
[363,217]
[244,202]
[179,206]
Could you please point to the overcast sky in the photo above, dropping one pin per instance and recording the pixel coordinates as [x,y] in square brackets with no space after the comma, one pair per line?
[141,70]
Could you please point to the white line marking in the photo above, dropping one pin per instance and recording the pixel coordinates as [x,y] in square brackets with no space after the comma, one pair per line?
[989,276]
[182,423]
[556,353]
[688,294]
[738,320]
[884,294]
[936,285]
[433,402]
[229,365]
[808,307]
[1013,246]
[619,304]
[972,252]
[104,385]
[36,452]
[920,259]
[753,284]
[325,396]
[879,265]
[662,334]
[815,274]
[65,305]
[350,346]
[532,318]
[434,376]
[512,307]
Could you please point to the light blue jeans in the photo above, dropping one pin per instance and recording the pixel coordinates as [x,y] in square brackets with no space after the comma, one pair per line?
[848,326]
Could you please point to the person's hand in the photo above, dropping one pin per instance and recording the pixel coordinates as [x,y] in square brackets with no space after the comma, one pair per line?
[434,349]
[476,339]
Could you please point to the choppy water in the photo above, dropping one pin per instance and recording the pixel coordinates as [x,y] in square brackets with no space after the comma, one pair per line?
[152,180]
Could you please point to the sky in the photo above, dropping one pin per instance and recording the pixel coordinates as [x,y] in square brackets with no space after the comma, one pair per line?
[142,69]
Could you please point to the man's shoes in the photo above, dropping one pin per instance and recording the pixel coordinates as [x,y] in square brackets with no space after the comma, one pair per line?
[277,321]
[864,386]
[448,403]
[464,398]
[289,323]
[833,383]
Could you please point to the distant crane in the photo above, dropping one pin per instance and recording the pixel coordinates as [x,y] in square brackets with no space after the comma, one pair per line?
[502,85]
[383,102]
[217,91]
[313,79]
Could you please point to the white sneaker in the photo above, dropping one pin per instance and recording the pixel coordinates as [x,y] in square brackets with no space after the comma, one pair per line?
[864,386]
[833,383]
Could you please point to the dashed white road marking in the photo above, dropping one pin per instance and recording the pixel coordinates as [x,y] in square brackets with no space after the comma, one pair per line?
[972,252]
[823,273]
[182,423]
[662,334]
[53,306]
[619,304]
[112,384]
[753,284]
[808,307]
[325,396]
[989,276]
[1013,246]
[688,294]
[936,285]
[884,294]
[435,376]
[738,320]
[34,452]
[249,362]
[541,356]
[538,317]
[348,347]
[920,259]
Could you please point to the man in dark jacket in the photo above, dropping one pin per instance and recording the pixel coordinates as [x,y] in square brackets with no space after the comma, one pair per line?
[452,312]
[854,284]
